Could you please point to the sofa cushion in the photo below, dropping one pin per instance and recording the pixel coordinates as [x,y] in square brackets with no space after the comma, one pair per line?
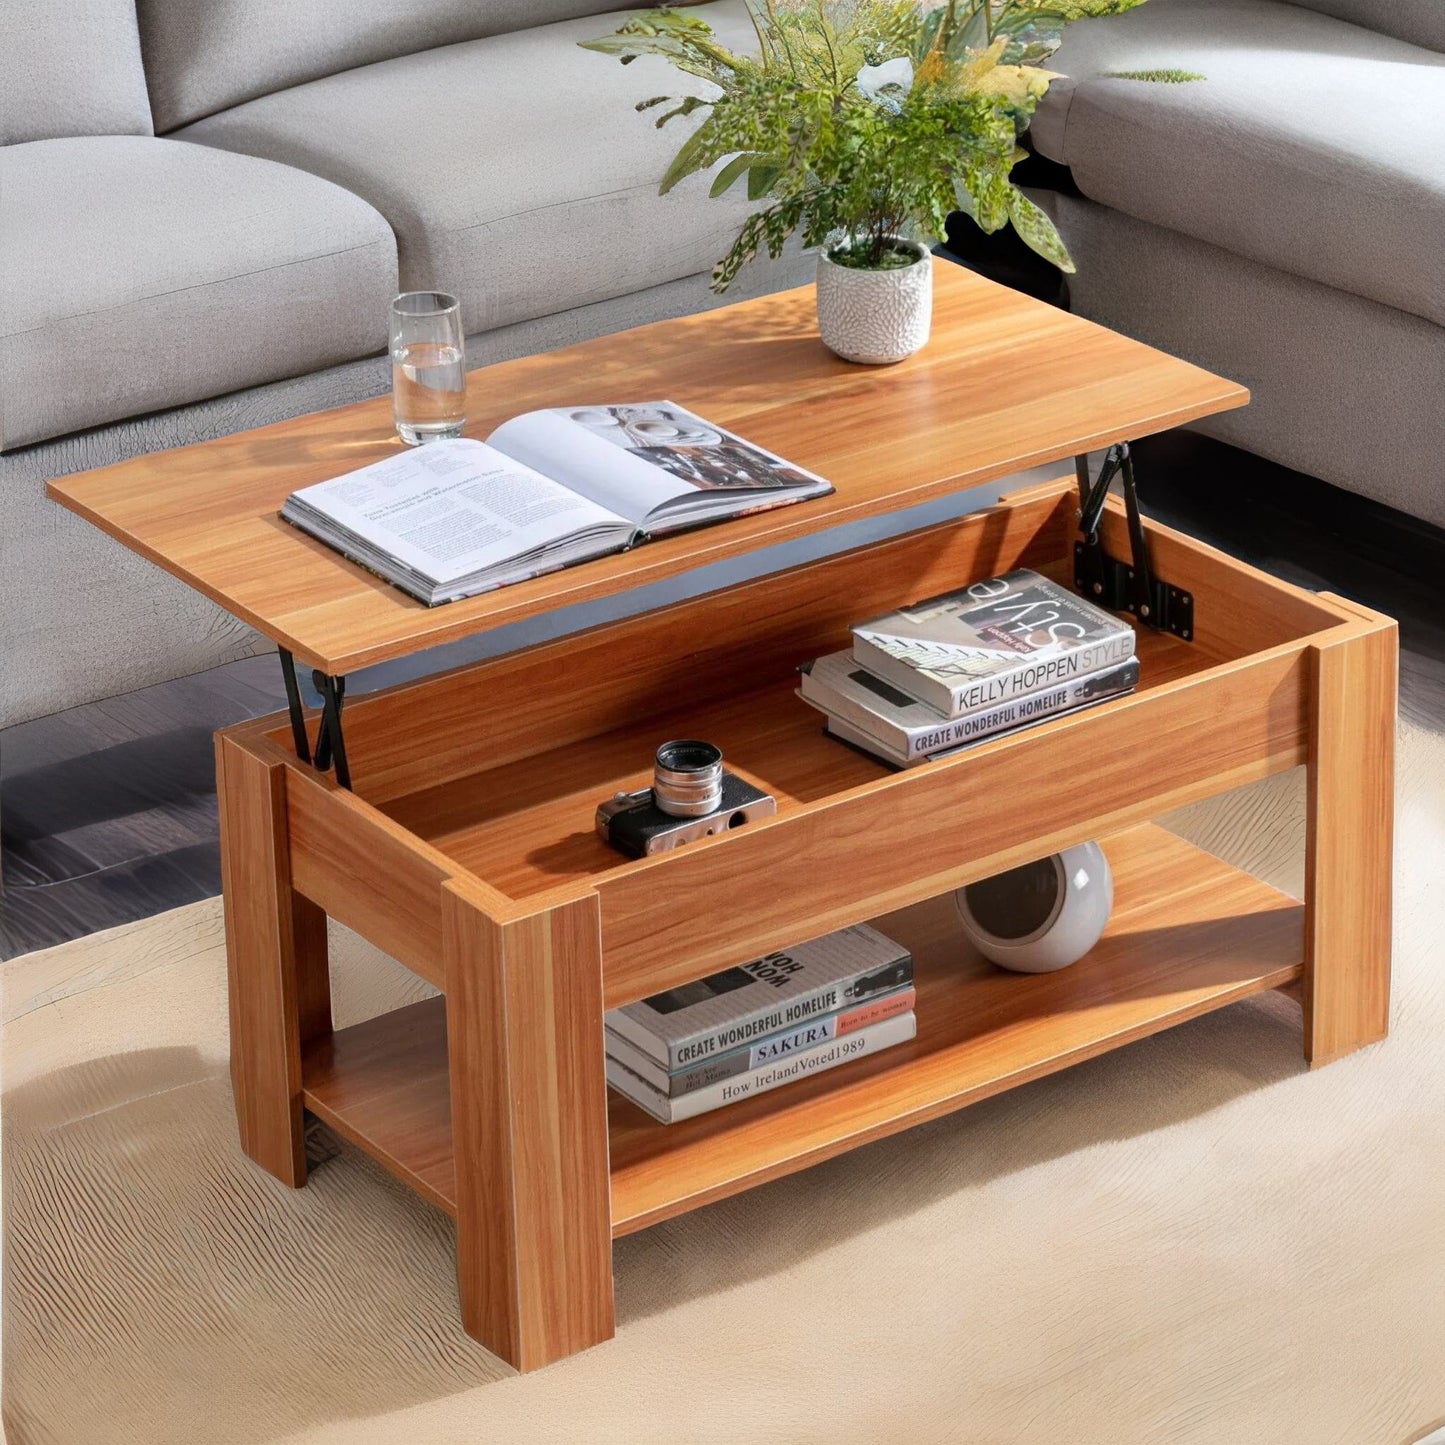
[1313,145]
[204,55]
[70,67]
[1421,22]
[515,170]
[138,273]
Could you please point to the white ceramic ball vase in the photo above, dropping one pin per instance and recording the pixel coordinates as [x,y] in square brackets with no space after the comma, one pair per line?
[875,317]
[1042,916]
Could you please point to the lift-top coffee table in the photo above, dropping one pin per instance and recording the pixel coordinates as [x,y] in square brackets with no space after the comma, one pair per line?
[450,820]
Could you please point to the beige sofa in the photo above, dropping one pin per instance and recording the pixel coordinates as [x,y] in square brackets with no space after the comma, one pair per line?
[205,208]
[1281,221]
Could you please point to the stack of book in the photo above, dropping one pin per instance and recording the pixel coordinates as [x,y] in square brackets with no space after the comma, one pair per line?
[754,1028]
[972,664]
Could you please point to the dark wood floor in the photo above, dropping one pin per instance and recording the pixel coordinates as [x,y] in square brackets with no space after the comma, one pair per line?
[109,812]
[1315,536]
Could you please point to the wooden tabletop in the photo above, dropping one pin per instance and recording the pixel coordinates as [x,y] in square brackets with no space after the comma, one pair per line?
[1005,383]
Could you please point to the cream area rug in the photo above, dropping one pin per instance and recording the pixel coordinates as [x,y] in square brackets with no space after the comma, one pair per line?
[1190,1240]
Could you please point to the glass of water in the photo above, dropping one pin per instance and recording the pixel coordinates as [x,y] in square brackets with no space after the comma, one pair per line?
[428,366]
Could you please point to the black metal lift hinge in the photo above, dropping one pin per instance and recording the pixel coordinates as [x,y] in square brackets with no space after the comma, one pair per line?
[1111,582]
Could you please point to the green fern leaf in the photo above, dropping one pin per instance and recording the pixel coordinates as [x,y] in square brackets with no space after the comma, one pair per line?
[1158,77]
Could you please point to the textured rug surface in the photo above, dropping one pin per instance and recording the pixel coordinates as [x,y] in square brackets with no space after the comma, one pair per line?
[1192,1239]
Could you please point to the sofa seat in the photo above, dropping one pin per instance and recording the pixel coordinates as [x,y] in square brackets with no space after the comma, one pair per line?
[138,273]
[1313,146]
[514,169]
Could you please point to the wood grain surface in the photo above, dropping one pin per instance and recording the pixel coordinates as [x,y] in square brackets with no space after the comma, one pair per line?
[276,946]
[529,1127]
[906,836]
[1189,933]
[364,871]
[1350,842]
[1005,383]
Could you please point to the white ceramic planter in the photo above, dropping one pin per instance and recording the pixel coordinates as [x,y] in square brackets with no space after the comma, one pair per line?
[875,317]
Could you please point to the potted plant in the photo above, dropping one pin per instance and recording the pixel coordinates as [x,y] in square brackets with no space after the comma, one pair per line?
[862,124]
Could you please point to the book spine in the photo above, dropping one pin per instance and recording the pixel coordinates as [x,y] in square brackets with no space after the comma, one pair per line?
[846,1049]
[923,741]
[865,742]
[962,699]
[753,1027]
[626,1053]
[926,689]
[876,1011]
[769,1050]
[618,1021]
[833,704]
[1035,707]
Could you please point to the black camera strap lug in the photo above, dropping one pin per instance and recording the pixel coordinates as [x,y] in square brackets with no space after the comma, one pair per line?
[1118,585]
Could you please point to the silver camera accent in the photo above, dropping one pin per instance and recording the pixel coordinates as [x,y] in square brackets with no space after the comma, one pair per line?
[687,779]
[692,796]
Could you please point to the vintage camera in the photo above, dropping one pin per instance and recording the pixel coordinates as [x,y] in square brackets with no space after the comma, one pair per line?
[692,796]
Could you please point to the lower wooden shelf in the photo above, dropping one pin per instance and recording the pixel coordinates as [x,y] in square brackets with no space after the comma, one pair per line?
[1189,934]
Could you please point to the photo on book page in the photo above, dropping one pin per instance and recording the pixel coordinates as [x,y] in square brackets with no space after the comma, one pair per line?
[685,445]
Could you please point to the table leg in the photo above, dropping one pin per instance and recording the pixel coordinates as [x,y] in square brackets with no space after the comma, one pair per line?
[529,1124]
[1350,843]
[280,991]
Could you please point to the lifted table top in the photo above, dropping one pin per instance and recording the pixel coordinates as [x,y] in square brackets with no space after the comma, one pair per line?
[1006,383]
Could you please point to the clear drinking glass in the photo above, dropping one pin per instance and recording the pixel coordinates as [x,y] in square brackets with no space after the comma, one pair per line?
[428,366]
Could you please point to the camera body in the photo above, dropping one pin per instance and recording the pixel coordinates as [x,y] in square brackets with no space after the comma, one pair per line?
[634,824]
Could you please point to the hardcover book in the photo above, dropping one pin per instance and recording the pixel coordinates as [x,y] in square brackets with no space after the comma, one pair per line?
[912,731]
[991,643]
[711,1016]
[770,1076]
[766,1051]
[864,740]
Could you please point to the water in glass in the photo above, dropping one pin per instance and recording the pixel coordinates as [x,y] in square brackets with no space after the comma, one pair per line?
[429,390]
[428,366]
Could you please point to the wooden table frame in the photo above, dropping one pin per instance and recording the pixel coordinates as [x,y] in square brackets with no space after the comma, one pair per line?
[464,846]
[491,1100]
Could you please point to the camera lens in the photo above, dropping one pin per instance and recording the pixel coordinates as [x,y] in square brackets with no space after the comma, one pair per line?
[688,756]
[687,778]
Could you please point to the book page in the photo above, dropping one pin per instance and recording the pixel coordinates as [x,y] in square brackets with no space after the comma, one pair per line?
[581,459]
[653,462]
[454,507]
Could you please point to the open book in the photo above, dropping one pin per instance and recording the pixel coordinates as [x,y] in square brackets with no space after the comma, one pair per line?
[545,490]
